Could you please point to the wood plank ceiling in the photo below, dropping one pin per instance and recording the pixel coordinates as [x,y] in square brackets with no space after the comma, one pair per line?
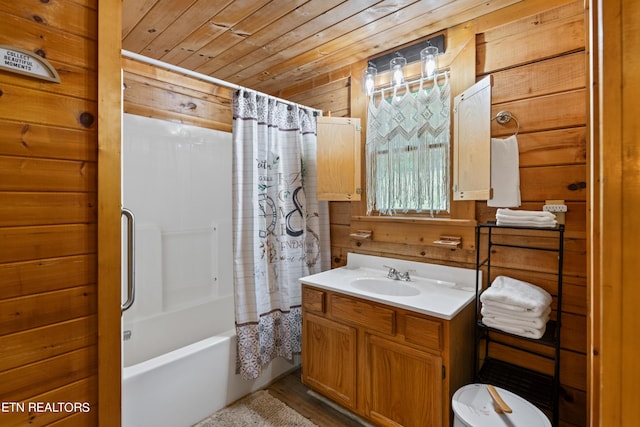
[268,45]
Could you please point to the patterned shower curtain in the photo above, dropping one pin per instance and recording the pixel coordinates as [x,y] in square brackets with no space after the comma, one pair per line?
[280,230]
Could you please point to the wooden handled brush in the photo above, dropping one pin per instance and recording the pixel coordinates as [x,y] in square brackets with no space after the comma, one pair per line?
[500,405]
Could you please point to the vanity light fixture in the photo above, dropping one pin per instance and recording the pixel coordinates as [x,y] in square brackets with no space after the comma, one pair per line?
[397,65]
[429,58]
[395,62]
[369,79]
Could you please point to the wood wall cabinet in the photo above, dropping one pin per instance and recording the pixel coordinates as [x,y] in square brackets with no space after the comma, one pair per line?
[339,158]
[389,365]
[472,143]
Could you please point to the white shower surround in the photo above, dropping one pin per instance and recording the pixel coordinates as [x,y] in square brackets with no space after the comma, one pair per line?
[179,362]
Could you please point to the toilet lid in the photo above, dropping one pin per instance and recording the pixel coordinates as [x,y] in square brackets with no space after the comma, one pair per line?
[473,405]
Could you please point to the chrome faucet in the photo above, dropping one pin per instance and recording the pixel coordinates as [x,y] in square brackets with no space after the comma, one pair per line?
[393,273]
[404,276]
[396,275]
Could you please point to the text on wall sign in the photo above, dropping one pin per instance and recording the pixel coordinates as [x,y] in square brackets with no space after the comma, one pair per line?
[21,61]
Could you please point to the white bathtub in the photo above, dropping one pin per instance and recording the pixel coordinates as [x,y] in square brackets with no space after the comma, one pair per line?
[184,385]
[165,331]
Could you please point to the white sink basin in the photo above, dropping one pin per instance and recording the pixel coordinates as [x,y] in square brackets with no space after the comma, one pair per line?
[436,290]
[384,287]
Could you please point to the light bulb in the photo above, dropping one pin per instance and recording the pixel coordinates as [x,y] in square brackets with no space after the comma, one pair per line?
[369,79]
[397,70]
[428,56]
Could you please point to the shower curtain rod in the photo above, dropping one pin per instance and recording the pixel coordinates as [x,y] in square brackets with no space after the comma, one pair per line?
[204,77]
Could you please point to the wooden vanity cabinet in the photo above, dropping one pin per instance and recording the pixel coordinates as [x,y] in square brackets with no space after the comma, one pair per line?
[391,366]
[403,386]
[330,344]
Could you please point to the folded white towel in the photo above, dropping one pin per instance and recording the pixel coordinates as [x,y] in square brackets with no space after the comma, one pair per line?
[516,309]
[500,310]
[505,172]
[523,322]
[525,218]
[516,330]
[521,223]
[522,212]
[507,290]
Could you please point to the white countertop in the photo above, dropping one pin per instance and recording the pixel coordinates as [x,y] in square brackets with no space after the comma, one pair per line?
[440,291]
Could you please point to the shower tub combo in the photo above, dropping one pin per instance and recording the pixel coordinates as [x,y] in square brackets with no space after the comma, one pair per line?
[185,385]
[179,343]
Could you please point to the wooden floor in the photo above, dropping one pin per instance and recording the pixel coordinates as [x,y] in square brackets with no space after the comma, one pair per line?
[290,390]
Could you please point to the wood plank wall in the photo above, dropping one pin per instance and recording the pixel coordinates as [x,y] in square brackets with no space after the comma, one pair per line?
[543,82]
[536,54]
[167,95]
[615,260]
[538,61]
[48,152]
[48,193]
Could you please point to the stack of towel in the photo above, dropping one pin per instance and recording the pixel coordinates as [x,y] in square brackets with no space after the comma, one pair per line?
[524,218]
[516,307]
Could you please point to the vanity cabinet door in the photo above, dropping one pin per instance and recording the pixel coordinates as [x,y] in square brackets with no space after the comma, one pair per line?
[403,386]
[329,358]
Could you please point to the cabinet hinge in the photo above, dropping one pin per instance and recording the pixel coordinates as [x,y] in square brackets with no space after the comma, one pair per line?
[444,372]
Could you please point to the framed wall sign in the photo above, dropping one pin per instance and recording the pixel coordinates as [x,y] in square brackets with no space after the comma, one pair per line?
[21,61]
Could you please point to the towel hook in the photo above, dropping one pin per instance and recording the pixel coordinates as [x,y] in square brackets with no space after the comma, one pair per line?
[504,117]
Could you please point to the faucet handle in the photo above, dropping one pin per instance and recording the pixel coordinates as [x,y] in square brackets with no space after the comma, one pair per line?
[393,273]
[405,276]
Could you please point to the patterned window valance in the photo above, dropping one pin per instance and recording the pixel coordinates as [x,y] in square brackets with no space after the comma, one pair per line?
[407,150]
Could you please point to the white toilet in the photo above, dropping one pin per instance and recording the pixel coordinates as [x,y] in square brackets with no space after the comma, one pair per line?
[473,407]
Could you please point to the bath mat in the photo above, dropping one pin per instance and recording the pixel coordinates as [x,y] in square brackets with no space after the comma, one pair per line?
[259,409]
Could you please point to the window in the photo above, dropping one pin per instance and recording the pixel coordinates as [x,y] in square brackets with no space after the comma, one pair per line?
[407,150]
